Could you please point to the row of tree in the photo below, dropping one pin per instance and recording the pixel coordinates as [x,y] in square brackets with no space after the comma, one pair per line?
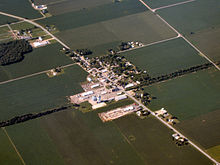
[13,51]
[26,117]
[178,73]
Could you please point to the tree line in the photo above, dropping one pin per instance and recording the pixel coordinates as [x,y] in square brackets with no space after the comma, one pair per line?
[13,51]
[30,116]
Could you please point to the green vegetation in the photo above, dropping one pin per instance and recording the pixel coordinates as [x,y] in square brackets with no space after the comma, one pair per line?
[188,96]
[85,107]
[40,59]
[215,152]
[5,20]
[204,14]
[20,8]
[21,26]
[165,57]
[14,51]
[7,152]
[39,93]
[5,34]
[92,16]
[208,133]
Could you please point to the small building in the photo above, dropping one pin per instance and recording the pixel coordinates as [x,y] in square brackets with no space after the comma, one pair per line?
[128,108]
[87,93]
[121,97]
[42,43]
[129,85]
[89,79]
[95,86]
[161,112]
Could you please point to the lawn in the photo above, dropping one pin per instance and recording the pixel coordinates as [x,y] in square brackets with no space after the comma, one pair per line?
[208,42]
[193,17]
[39,93]
[159,3]
[5,19]
[38,60]
[102,36]
[164,58]
[204,129]
[153,142]
[7,152]
[188,96]
[20,8]
[70,5]
[91,16]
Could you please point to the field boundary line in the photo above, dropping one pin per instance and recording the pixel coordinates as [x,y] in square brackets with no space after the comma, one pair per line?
[150,44]
[34,74]
[16,150]
[175,4]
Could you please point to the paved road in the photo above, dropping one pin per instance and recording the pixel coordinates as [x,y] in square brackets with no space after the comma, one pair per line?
[180,35]
[36,24]
[176,4]
[34,74]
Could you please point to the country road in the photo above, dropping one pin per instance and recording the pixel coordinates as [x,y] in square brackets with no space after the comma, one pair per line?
[36,24]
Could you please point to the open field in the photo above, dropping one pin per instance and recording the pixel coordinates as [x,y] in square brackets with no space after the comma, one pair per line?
[47,2]
[5,20]
[153,142]
[83,139]
[164,58]
[20,8]
[108,34]
[38,60]
[39,93]
[91,16]
[193,17]
[69,5]
[7,152]
[5,34]
[215,152]
[188,96]
[159,3]
[208,42]
[21,26]
[204,129]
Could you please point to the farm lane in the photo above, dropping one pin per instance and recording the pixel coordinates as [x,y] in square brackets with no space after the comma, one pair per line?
[36,24]
[180,35]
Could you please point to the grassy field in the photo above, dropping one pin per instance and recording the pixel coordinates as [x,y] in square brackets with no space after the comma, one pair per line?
[38,60]
[204,129]
[91,16]
[193,17]
[21,26]
[188,96]
[154,144]
[215,152]
[160,3]
[83,139]
[39,93]
[5,34]
[7,152]
[165,57]
[5,19]
[208,42]
[20,8]
[102,36]
[69,5]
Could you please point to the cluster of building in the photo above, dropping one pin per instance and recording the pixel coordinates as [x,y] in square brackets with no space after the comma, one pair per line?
[40,42]
[117,113]
[130,45]
[180,141]
[162,113]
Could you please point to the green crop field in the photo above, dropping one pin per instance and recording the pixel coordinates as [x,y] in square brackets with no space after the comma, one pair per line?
[69,5]
[5,34]
[153,142]
[7,152]
[208,42]
[90,16]
[159,3]
[21,26]
[38,60]
[164,58]
[188,96]
[204,129]
[215,152]
[20,8]
[5,19]
[73,137]
[193,17]
[108,34]
[39,93]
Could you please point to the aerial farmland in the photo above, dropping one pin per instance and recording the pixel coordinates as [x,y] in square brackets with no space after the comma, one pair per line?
[93,82]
